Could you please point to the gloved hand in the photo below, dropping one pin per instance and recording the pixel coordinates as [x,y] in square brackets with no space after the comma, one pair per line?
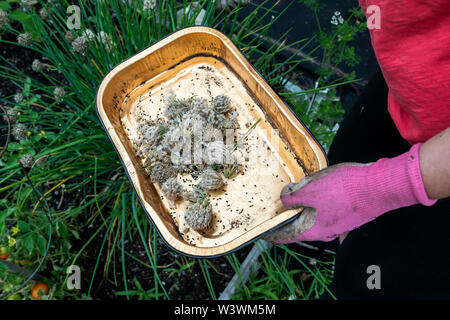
[343,197]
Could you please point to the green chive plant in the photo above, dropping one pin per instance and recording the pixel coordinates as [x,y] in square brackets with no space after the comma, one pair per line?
[60,164]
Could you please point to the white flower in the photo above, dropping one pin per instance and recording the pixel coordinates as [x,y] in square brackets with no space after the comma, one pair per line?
[337,19]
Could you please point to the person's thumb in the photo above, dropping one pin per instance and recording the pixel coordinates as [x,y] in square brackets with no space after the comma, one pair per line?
[291,194]
[290,231]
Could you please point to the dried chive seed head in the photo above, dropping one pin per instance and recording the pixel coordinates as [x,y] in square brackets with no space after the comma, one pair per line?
[176,135]
[214,118]
[59,92]
[199,104]
[172,189]
[37,65]
[174,108]
[198,215]
[192,196]
[160,171]
[161,153]
[210,180]
[24,39]
[12,115]
[222,103]
[19,131]
[18,97]
[152,133]
[143,151]
[193,120]
[80,44]
[28,4]
[215,153]
[171,111]
[27,161]
[43,13]
[4,19]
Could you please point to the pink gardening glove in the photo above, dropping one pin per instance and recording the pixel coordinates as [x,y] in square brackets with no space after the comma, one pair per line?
[343,197]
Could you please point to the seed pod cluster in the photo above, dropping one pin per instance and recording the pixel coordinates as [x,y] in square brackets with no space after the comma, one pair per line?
[160,171]
[172,189]
[27,161]
[80,44]
[160,146]
[4,19]
[216,152]
[19,131]
[11,115]
[24,39]
[222,104]
[198,215]
[37,65]
[210,180]
[18,97]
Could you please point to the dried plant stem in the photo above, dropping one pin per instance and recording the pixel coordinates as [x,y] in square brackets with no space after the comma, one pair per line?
[246,134]
[9,132]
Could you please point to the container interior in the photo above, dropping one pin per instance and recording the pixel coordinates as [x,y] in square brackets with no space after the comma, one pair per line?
[278,151]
